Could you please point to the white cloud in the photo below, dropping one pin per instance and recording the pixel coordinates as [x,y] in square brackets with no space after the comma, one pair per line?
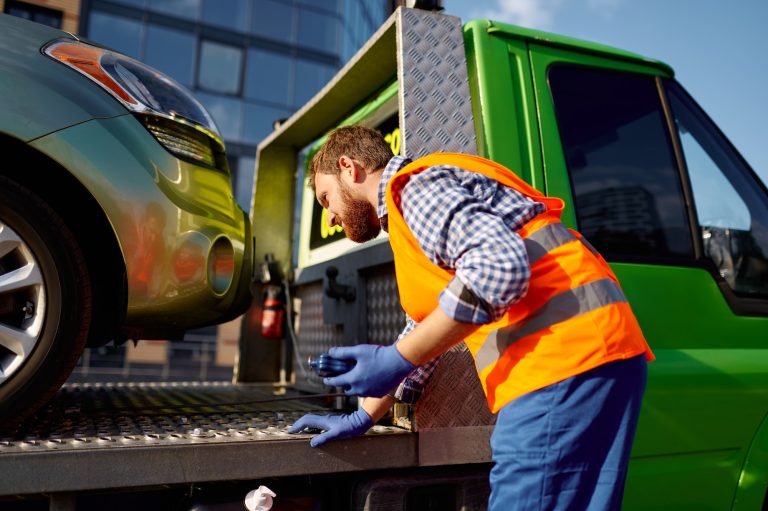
[537,14]
[604,8]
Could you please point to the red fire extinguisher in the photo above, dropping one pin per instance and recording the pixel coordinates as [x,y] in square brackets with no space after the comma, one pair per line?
[273,311]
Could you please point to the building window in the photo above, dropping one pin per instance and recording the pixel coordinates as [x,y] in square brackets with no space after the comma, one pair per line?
[188,9]
[310,78]
[227,112]
[367,16]
[133,3]
[318,31]
[273,20]
[36,13]
[268,77]
[229,14]
[243,182]
[328,5]
[172,52]
[259,121]
[220,68]
[116,32]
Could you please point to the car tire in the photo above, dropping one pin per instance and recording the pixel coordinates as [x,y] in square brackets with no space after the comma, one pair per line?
[45,303]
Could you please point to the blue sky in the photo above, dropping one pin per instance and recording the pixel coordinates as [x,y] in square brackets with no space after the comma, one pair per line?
[717,48]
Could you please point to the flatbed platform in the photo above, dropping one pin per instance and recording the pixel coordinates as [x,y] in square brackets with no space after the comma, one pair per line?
[97,436]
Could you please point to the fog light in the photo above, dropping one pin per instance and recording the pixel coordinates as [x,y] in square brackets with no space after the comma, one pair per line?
[221,265]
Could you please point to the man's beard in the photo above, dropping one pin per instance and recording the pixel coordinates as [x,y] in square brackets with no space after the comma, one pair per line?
[359,219]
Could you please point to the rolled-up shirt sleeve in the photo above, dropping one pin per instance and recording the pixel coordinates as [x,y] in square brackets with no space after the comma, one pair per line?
[412,387]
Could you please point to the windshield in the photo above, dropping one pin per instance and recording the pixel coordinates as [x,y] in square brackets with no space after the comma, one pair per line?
[731,203]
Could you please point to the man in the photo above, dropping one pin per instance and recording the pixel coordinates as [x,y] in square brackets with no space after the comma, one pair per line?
[481,256]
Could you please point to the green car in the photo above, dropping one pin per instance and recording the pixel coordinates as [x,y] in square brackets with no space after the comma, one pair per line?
[117,217]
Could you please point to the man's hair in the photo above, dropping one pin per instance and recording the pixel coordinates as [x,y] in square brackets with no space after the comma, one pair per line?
[363,144]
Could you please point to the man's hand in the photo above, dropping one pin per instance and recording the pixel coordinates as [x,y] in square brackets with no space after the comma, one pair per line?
[335,426]
[377,370]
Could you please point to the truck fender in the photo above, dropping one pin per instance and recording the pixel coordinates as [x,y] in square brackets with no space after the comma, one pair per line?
[752,490]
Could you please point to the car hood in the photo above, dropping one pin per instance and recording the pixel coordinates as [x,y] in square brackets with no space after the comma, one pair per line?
[41,95]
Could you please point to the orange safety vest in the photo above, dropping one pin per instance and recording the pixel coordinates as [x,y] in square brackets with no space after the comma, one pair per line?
[573,318]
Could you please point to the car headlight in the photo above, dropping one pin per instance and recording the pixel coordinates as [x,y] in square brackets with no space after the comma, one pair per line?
[169,111]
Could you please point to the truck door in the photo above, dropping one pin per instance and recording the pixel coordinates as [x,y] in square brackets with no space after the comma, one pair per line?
[654,185]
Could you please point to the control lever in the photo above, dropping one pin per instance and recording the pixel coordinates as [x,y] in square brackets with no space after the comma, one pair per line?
[335,290]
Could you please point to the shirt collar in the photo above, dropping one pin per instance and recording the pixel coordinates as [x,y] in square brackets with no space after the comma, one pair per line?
[395,164]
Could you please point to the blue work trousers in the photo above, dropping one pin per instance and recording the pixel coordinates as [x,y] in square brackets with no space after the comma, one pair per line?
[567,446]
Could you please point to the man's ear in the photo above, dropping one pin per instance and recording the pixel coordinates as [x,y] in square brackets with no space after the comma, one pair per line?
[349,167]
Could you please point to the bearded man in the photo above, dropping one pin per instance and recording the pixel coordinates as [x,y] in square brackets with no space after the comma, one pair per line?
[482,257]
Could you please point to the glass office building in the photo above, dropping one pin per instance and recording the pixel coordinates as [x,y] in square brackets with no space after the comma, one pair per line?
[250,62]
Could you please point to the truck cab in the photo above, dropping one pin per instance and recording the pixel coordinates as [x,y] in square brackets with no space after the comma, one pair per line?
[657,188]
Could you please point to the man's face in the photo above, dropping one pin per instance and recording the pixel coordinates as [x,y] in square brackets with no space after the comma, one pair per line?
[356,216]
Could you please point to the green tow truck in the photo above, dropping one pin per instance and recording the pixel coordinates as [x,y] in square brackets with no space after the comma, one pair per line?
[647,177]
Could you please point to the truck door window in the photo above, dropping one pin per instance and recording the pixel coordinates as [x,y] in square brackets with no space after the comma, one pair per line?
[625,181]
[730,203]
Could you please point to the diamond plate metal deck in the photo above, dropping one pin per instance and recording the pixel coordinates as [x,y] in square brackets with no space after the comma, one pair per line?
[138,435]
[89,416]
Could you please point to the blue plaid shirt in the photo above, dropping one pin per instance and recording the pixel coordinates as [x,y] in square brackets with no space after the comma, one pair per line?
[467,223]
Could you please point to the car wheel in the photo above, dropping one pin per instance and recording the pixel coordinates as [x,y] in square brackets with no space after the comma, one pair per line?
[45,302]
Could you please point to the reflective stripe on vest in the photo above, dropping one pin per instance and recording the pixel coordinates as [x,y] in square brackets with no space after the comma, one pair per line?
[548,238]
[559,308]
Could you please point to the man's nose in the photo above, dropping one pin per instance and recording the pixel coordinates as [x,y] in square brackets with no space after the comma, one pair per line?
[332,218]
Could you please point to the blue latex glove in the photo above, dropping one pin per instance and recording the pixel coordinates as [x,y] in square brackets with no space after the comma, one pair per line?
[335,426]
[377,370]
